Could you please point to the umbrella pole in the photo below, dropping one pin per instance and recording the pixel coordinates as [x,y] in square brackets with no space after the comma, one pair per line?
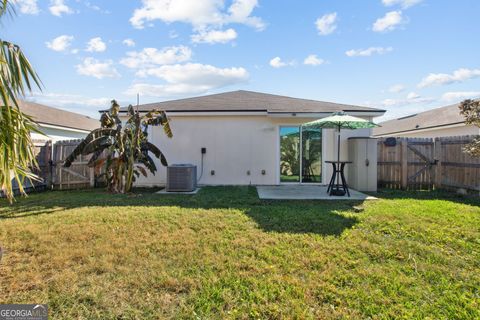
[338,158]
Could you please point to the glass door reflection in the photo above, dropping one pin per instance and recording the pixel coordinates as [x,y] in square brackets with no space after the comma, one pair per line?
[290,154]
[311,155]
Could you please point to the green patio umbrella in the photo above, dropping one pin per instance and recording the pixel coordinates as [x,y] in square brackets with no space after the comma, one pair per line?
[340,120]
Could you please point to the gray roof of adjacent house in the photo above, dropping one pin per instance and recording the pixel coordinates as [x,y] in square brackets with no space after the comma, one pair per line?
[430,119]
[249,101]
[56,117]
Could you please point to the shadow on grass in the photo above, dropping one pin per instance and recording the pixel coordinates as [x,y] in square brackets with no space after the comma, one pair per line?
[318,217]
[445,195]
[308,219]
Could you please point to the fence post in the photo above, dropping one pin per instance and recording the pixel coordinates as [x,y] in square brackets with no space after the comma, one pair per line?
[404,160]
[438,163]
[57,169]
[48,164]
[91,172]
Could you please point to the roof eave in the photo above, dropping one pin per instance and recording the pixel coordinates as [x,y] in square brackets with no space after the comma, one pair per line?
[389,133]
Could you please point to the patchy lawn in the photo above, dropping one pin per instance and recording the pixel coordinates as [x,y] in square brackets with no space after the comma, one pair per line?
[225,254]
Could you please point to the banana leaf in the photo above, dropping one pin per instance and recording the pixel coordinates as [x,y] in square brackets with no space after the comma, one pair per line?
[94,135]
[147,146]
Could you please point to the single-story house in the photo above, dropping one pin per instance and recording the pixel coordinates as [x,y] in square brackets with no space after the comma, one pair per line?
[57,124]
[251,138]
[440,122]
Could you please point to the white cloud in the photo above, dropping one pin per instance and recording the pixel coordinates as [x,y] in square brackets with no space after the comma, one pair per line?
[150,57]
[278,63]
[459,75]
[190,78]
[94,7]
[60,43]
[368,52]
[313,60]
[27,6]
[196,73]
[460,95]
[214,36]
[129,42]
[397,88]
[326,24]
[389,22]
[199,14]
[411,99]
[94,68]
[96,45]
[413,96]
[240,11]
[58,8]
[403,3]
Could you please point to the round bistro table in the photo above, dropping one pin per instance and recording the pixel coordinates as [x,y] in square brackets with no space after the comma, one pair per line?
[340,188]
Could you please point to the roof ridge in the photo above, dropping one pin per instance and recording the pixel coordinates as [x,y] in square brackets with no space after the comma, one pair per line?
[258,93]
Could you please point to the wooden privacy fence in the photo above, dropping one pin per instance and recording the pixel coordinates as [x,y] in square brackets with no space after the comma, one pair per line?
[50,158]
[78,175]
[427,163]
[42,151]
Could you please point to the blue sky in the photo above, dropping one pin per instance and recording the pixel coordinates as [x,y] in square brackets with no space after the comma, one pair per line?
[405,56]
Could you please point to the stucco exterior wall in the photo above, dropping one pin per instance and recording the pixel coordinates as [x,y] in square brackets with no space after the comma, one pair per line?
[235,145]
[461,130]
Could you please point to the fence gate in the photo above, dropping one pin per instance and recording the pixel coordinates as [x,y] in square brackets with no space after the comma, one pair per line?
[420,155]
[406,163]
[426,163]
[78,175]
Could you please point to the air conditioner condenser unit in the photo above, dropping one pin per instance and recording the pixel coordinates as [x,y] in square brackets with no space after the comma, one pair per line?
[181,178]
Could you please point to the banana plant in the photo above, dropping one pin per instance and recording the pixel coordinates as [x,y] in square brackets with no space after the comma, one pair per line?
[122,149]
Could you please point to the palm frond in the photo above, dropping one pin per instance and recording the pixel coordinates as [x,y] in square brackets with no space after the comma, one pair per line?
[16,73]
[7,8]
[17,76]
[17,156]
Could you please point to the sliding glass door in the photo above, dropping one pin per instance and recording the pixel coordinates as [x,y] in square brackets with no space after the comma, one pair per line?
[289,154]
[311,155]
[300,154]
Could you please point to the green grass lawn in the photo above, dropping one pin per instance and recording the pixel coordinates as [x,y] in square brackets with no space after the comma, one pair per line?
[225,254]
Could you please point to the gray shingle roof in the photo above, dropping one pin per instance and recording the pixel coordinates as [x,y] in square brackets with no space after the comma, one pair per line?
[250,101]
[57,117]
[429,119]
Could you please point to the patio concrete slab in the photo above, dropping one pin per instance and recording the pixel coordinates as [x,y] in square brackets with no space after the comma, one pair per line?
[164,191]
[305,192]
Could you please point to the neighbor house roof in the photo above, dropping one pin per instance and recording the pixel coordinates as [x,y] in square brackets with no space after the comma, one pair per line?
[249,101]
[56,117]
[435,118]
